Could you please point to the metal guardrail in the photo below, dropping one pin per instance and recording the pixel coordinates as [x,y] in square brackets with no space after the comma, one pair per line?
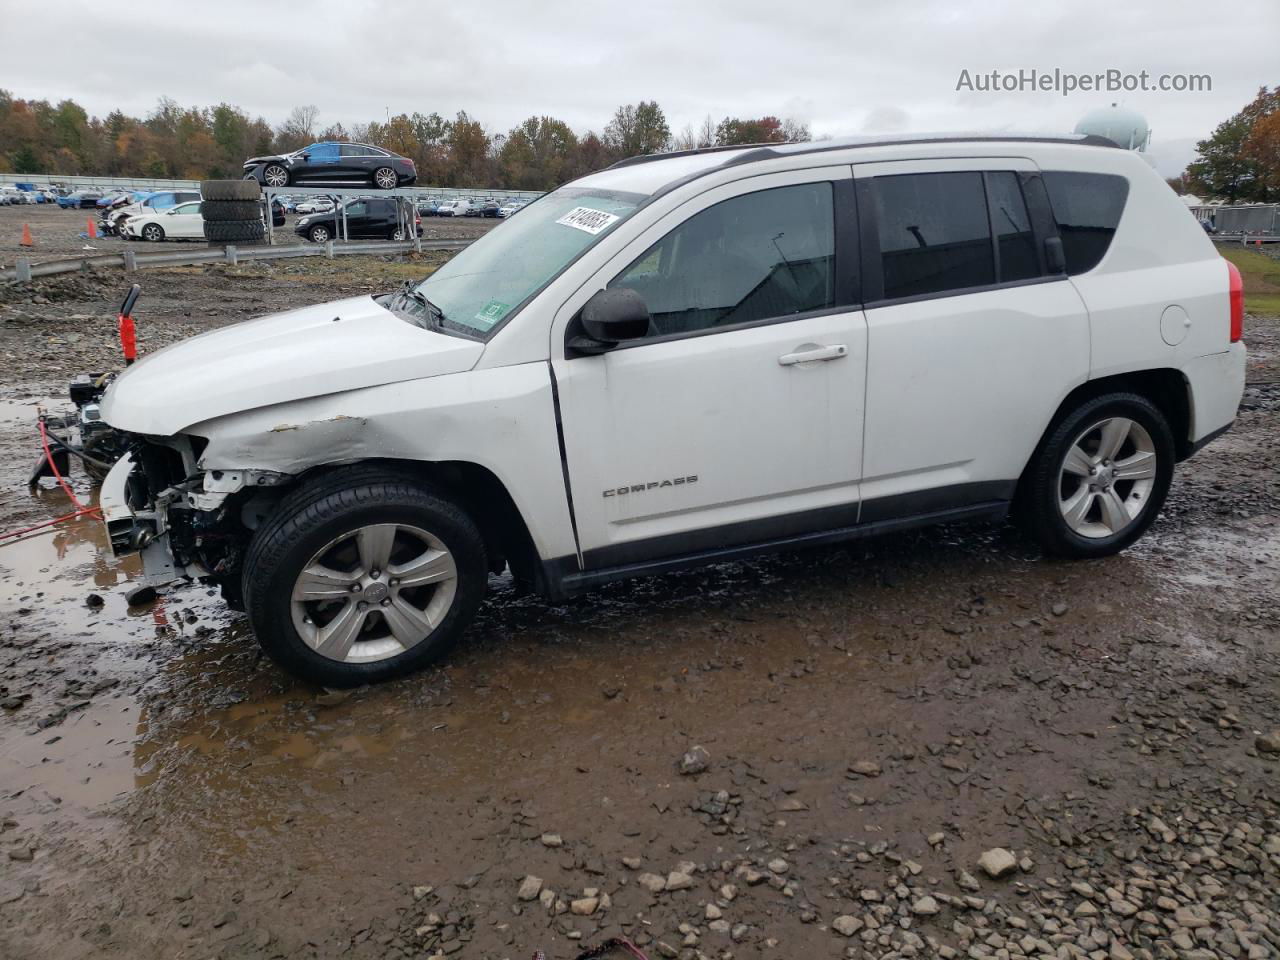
[24,271]
[150,183]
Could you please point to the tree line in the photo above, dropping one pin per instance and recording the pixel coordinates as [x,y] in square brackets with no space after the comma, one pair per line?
[199,143]
[1240,161]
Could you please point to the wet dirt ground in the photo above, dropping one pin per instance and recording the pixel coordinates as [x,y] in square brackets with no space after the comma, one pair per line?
[873,718]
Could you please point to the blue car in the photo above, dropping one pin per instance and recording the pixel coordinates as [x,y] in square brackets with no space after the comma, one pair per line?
[80,198]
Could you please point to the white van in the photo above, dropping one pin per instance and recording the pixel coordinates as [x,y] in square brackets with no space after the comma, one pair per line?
[686,359]
[454,208]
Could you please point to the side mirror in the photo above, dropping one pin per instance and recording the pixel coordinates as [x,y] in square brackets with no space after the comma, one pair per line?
[608,318]
[1054,255]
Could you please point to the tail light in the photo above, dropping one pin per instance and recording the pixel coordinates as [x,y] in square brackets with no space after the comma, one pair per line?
[1237,302]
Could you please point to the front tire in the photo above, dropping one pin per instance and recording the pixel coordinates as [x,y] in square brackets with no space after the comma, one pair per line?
[153,233]
[1100,477]
[363,577]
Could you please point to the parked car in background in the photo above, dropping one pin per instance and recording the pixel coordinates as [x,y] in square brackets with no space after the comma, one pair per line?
[79,199]
[374,218]
[10,195]
[180,222]
[108,220]
[488,208]
[333,164]
[107,199]
[314,205]
[453,208]
[428,208]
[286,203]
[157,202]
[510,207]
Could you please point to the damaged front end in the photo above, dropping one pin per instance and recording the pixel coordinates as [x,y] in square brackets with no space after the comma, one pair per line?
[184,521]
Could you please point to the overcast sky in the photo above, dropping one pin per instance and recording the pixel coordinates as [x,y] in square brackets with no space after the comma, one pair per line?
[877,66]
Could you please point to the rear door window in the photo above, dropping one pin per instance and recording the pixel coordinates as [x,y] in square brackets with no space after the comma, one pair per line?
[934,233]
[1087,208]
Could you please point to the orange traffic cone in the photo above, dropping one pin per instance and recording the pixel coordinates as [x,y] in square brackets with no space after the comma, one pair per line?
[26,236]
[92,231]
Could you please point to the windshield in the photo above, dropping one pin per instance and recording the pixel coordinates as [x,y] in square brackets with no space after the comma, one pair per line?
[490,279]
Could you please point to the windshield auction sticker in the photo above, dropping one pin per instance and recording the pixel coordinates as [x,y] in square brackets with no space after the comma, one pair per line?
[588,220]
[492,312]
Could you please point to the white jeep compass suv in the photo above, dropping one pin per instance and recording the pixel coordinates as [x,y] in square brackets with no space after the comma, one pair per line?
[683,359]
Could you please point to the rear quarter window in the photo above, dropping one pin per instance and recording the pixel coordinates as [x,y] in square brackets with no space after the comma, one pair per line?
[1087,208]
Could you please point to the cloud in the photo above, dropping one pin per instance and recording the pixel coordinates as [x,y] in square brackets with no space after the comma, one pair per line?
[843,67]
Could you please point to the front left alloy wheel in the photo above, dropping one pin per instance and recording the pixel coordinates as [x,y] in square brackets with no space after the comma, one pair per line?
[363,577]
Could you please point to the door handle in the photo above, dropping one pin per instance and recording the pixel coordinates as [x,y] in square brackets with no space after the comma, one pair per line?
[833,352]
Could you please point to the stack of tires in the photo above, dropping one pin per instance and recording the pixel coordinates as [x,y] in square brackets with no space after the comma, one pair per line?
[232,211]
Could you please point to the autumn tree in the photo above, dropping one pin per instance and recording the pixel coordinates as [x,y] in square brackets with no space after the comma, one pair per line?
[1231,164]
[637,129]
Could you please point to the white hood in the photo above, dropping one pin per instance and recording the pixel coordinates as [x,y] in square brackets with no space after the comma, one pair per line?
[318,350]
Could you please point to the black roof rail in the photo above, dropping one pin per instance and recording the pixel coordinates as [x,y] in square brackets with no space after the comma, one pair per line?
[766,151]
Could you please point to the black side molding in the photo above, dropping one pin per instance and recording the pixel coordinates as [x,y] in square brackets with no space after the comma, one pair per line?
[565,583]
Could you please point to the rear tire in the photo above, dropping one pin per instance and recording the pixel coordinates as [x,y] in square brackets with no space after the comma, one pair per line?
[359,528]
[384,178]
[319,234]
[1099,478]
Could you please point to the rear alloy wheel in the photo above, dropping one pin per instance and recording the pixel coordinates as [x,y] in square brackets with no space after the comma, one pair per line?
[384,178]
[153,232]
[1098,480]
[398,234]
[1106,478]
[364,576]
[318,234]
[274,175]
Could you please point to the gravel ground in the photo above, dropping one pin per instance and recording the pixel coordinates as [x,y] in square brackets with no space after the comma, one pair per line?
[931,744]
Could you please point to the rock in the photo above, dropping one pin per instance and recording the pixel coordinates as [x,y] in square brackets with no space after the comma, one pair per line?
[967,881]
[713,912]
[652,882]
[1268,742]
[728,892]
[632,863]
[1059,609]
[584,907]
[718,926]
[739,932]
[865,768]
[925,907]
[998,862]
[140,595]
[696,761]
[552,840]
[24,854]
[936,839]
[93,601]
[421,892]
[678,881]
[779,866]
[846,925]
[530,887]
